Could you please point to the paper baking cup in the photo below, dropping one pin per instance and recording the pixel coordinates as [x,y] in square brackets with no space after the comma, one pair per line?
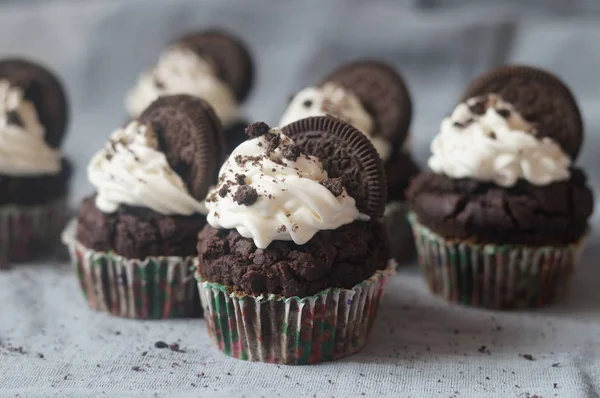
[153,288]
[402,242]
[296,331]
[26,232]
[494,276]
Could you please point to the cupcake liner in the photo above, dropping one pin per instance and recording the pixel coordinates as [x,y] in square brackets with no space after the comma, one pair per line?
[297,331]
[402,242]
[494,276]
[153,288]
[29,231]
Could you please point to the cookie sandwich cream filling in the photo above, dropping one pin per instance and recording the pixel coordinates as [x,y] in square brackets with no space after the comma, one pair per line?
[181,71]
[131,170]
[333,99]
[486,139]
[23,150]
[268,190]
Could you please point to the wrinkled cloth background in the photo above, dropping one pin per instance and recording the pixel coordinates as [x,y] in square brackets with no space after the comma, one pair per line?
[421,347]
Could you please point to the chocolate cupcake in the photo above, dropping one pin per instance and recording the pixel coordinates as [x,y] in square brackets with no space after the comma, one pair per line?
[294,257]
[501,219]
[373,97]
[213,65]
[133,243]
[34,175]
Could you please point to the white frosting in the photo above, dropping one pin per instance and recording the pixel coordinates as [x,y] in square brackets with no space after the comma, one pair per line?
[291,204]
[23,150]
[181,71]
[131,170]
[496,148]
[333,99]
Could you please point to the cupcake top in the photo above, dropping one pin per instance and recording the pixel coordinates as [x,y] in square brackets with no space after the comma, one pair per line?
[212,65]
[164,161]
[370,95]
[33,117]
[498,134]
[288,184]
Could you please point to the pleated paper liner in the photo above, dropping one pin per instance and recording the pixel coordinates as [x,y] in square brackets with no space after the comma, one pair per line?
[402,242]
[153,288]
[297,331]
[494,276]
[27,232]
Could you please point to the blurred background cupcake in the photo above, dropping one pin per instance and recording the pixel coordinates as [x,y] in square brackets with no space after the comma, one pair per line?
[293,262]
[213,65]
[501,219]
[34,175]
[134,241]
[373,97]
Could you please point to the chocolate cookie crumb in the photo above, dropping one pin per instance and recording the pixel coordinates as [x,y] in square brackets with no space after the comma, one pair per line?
[492,135]
[161,344]
[291,152]
[505,113]
[482,349]
[528,357]
[307,103]
[478,107]
[257,129]
[273,140]
[281,229]
[245,195]
[335,186]
[223,191]
[556,365]
[144,353]
[14,118]
[175,347]
[240,179]
[40,355]
[136,368]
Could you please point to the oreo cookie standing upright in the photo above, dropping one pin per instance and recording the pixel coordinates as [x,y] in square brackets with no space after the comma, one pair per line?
[34,175]
[501,219]
[140,227]
[213,65]
[374,98]
[294,229]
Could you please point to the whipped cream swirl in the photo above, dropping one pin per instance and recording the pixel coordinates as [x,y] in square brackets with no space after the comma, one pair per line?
[131,170]
[268,190]
[486,139]
[181,71]
[333,99]
[23,150]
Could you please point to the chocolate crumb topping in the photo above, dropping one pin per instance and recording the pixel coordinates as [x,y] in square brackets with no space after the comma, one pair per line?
[335,185]
[223,191]
[281,229]
[240,179]
[505,113]
[307,103]
[492,135]
[245,195]
[478,107]
[14,118]
[273,142]
[291,152]
[257,129]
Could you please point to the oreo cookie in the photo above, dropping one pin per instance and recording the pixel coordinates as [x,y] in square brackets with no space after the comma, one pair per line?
[346,153]
[190,134]
[540,97]
[44,90]
[383,93]
[230,56]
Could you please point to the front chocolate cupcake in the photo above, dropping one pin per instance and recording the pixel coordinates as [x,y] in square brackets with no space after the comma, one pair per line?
[501,220]
[373,97]
[34,175]
[134,241]
[293,262]
[212,65]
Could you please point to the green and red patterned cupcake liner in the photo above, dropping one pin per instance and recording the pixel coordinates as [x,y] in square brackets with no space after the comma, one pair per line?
[297,331]
[153,288]
[402,243]
[26,232]
[494,276]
